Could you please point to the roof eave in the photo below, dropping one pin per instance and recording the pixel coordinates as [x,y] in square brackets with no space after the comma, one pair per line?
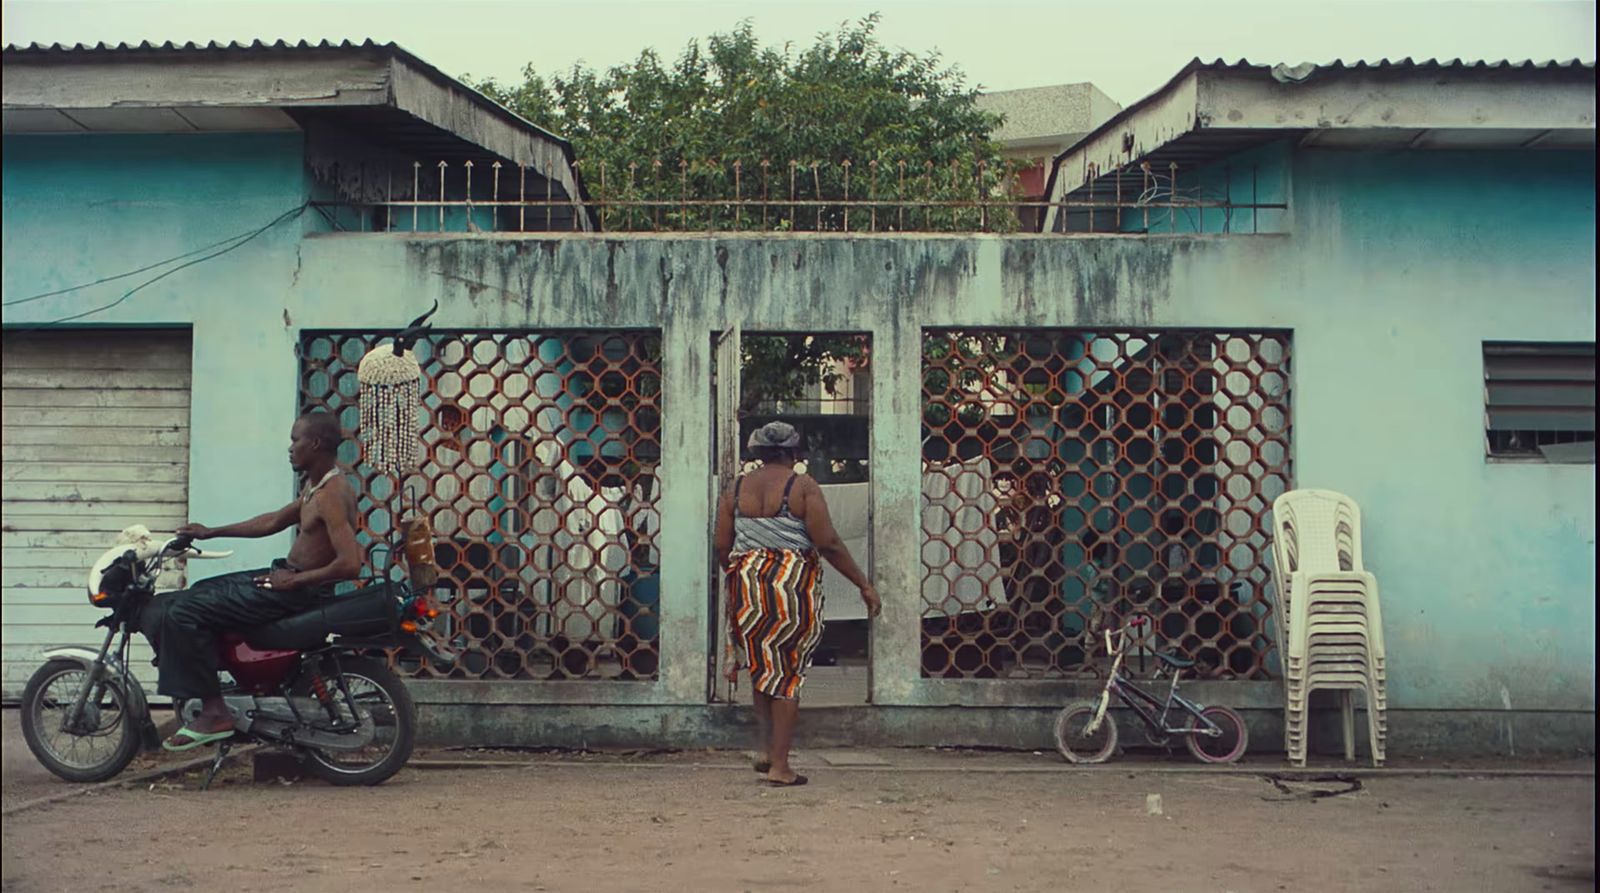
[332,74]
[1378,96]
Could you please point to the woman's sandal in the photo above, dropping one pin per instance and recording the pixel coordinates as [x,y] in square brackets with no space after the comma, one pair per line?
[762,766]
[798,781]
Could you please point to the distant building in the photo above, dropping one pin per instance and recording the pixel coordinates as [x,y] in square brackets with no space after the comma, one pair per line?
[1041,123]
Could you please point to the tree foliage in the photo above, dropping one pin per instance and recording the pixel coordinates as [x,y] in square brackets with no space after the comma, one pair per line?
[659,131]
[846,116]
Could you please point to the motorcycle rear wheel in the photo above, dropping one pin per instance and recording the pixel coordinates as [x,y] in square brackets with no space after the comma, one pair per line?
[380,693]
[111,741]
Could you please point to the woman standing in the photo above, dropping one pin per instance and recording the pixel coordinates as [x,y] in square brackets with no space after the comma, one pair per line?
[772,527]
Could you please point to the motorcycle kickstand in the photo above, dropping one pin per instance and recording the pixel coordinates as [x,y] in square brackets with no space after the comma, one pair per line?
[222,754]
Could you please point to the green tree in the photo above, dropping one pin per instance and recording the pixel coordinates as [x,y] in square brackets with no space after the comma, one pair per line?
[844,117]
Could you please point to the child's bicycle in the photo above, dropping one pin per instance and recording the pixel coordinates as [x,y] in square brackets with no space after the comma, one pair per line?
[1086,732]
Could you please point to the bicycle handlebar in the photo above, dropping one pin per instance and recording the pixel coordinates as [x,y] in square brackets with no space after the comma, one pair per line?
[1121,633]
[1132,624]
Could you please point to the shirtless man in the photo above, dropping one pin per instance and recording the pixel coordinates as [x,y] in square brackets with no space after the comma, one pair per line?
[324,553]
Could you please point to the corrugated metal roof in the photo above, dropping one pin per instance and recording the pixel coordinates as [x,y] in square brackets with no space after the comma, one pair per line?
[1404,64]
[191,47]
[1307,70]
[1215,64]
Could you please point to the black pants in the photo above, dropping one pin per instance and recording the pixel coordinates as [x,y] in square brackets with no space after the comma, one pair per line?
[186,625]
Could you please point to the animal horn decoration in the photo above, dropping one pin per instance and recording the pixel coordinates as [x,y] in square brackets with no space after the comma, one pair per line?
[391,401]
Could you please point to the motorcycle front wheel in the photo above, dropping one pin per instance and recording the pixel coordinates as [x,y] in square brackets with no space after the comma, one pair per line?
[381,699]
[101,744]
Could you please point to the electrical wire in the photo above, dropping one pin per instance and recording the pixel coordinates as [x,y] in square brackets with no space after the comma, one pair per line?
[232,243]
[103,281]
[144,268]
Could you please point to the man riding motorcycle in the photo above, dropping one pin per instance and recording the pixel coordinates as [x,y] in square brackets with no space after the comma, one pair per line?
[186,625]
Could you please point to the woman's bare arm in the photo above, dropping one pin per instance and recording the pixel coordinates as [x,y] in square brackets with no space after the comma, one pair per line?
[722,544]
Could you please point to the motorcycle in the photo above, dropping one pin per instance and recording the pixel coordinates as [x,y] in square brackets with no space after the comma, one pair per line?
[314,683]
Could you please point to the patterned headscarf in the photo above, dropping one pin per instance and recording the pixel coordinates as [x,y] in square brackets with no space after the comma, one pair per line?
[781,435]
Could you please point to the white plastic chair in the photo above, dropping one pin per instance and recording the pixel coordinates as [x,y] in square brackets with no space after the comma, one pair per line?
[1330,625]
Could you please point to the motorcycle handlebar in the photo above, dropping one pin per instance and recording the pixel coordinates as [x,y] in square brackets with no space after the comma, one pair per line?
[183,546]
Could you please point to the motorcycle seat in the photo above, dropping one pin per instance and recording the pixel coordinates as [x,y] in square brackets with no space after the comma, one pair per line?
[367,613]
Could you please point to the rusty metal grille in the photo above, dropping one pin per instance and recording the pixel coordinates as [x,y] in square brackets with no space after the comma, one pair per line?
[1075,479]
[539,476]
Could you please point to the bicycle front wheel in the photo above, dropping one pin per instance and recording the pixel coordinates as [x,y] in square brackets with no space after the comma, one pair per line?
[1077,742]
[1224,748]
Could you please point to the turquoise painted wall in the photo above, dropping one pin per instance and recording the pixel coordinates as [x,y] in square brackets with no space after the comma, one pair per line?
[81,207]
[1411,261]
[1394,270]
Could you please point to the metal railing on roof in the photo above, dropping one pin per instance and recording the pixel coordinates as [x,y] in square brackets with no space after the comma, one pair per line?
[801,197]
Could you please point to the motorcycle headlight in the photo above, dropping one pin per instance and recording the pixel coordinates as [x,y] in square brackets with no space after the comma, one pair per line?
[113,584]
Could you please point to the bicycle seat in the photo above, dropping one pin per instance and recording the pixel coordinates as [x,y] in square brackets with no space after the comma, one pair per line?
[1173,661]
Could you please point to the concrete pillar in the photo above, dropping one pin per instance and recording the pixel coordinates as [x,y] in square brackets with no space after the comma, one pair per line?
[686,469]
[896,504]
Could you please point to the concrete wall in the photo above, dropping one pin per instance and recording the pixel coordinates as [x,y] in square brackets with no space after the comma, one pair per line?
[78,208]
[1487,568]
[1397,269]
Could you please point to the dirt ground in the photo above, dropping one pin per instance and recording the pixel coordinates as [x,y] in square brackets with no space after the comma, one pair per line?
[701,822]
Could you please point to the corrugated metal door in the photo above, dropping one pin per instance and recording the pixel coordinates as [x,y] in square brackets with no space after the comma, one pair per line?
[95,438]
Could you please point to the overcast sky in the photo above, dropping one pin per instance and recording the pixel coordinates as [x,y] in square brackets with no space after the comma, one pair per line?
[1127,47]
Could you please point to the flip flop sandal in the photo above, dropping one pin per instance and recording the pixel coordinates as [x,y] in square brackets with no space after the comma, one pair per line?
[763,767]
[193,739]
[798,781]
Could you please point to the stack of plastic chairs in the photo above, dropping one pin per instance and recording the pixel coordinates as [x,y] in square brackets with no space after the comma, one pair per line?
[1330,627]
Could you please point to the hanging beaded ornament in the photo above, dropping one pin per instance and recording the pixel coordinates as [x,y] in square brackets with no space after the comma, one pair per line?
[391,398]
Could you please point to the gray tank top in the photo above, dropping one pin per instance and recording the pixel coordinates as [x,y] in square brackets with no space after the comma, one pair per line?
[780,531]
